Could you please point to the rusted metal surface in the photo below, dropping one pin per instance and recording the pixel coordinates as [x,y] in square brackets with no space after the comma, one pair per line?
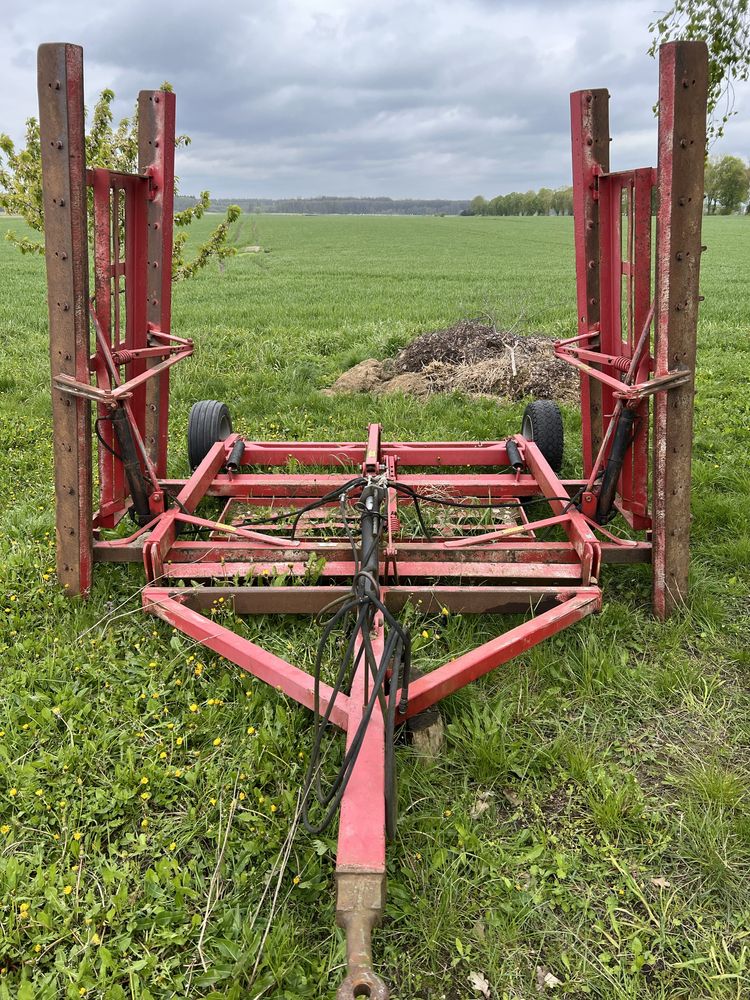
[589,120]
[311,600]
[360,902]
[156,138]
[683,76]
[61,123]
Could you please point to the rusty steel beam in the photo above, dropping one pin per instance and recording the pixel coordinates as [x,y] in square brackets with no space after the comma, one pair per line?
[589,117]
[156,135]
[61,124]
[683,83]
[246,600]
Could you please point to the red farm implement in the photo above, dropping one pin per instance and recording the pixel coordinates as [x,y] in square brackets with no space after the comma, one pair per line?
[456,525]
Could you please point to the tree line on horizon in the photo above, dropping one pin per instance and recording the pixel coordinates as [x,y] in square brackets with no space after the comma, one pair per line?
[341,205]
[726,191]
[545,201]
[727,188]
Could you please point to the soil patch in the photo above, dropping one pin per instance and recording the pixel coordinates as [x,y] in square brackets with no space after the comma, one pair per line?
[470,357]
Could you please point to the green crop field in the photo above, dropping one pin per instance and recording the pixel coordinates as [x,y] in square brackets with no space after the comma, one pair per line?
[588,817]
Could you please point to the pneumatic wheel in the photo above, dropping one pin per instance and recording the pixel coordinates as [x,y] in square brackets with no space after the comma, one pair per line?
[542,424]
[209,421]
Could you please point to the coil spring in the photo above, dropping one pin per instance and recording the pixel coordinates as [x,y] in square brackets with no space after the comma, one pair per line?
[123,357]
[621,364]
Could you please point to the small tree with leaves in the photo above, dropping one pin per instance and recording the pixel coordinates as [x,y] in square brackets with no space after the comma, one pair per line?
[727,181]
[114,148]
[725,27]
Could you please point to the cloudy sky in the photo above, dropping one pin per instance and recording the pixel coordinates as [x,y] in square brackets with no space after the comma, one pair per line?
[426,98]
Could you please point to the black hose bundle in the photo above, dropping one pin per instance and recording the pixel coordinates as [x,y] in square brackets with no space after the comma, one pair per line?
[385,674]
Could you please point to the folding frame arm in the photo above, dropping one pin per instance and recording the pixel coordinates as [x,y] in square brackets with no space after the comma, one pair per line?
[613,250]
[133,348]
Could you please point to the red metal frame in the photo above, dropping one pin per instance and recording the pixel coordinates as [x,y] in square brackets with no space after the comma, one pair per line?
[475,567]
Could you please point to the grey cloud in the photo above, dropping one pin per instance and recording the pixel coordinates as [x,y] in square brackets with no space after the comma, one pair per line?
[302,97]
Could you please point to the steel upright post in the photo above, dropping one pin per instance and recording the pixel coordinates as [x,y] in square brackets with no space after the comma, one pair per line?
[61,124]
[156,134]
[589,116]
[683,81]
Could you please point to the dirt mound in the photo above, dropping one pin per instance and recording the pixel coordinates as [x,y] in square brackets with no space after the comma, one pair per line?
[360,378]
[469,357]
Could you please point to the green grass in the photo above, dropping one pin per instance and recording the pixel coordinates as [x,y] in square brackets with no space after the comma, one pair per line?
[589,815]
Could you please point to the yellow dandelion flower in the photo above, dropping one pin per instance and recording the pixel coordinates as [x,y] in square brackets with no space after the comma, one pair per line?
[425,634]
[152,663]
[77,835]
[448,812]
[273,809]
[178,682]
[193,707]
[217,741]
[145,796]
[39,792]
[144,823]
[37,948]
[144,780]
[179,741]
[241,796]
[178,774]
[4,828]
[13,792]
[296,880]
[173,846]
[212,801]
[95,939]
[23,907]
[68,889]
[251,730]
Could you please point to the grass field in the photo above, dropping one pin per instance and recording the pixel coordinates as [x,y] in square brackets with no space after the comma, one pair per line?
[614,849]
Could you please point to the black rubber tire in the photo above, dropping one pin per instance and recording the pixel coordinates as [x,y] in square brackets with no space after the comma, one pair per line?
[542,424]
[209,421]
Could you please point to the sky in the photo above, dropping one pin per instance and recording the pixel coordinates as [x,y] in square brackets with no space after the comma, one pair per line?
[403,98]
